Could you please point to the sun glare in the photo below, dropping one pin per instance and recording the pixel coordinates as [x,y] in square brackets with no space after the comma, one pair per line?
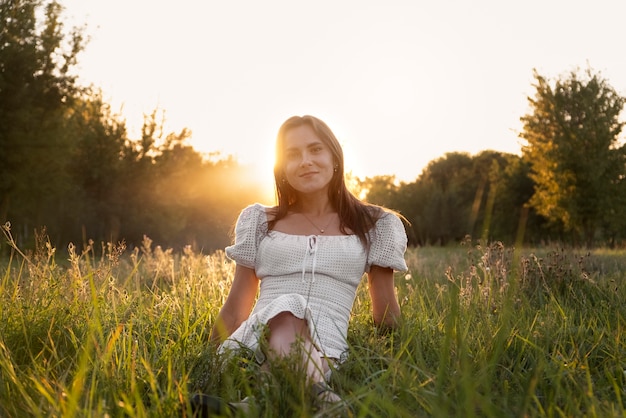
[262,173]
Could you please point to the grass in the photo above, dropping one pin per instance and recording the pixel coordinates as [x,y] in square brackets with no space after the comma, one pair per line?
[489,331]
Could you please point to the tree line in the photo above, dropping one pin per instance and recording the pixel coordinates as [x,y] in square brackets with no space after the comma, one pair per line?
[68,164]
[568,184]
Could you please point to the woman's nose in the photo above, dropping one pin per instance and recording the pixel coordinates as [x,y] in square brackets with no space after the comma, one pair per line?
[306,160]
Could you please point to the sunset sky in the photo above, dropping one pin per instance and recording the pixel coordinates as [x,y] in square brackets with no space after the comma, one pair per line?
[400,82]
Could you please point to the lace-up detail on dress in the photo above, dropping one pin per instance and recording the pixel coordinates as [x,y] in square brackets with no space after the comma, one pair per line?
[310,254]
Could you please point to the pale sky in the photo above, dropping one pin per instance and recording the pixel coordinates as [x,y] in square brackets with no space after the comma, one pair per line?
[400,82]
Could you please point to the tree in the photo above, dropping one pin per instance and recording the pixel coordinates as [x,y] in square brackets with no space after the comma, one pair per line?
[381,190]
[36,91]
[483,196]
[453,185]
[437,204]
[96,170]
[66,162]
[572,146]
[514,221]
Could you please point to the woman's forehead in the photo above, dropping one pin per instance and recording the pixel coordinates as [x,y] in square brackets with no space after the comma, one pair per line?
[301,136]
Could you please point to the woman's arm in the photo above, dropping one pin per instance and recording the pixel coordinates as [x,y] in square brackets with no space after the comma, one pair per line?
[238,304]
[385,307]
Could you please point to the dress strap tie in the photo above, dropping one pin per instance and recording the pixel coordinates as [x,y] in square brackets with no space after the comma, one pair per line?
[311,251]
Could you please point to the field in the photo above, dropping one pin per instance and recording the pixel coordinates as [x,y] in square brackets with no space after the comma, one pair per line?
[489,331]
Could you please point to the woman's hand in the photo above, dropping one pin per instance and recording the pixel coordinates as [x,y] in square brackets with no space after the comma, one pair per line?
[238,304]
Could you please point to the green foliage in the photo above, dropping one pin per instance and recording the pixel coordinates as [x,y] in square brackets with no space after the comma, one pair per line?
[457,195]
[36,90]
[67,162]
[578,166]
[488,330]
[569,186]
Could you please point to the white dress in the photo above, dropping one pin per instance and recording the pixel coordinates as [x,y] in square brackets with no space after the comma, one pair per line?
[314,277]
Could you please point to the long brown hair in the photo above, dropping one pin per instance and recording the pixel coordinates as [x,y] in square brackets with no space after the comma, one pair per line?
[354,215]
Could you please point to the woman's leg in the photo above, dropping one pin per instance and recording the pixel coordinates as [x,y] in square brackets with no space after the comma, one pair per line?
[285,330]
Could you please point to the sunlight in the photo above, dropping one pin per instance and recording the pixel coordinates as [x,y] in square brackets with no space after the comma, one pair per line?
[396,108]
[257,167]
[351,163]
[262,173]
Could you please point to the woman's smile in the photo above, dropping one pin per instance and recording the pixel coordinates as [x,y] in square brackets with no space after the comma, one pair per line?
[308,165]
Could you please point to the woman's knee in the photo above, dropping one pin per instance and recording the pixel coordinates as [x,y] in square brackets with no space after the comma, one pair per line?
[287,321]
[285,329]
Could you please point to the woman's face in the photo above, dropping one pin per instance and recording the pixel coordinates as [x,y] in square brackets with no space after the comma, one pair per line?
[308,162]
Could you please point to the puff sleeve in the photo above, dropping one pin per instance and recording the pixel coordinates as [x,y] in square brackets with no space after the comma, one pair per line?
[249,230]
[388,243]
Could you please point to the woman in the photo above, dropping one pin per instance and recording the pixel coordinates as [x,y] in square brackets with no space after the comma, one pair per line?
[306,257]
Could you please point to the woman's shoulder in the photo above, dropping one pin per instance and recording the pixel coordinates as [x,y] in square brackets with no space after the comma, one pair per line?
[392,216]
[383,214]
[258,210]
[387,220]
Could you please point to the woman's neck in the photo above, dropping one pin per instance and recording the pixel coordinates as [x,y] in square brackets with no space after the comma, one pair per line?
[314,205]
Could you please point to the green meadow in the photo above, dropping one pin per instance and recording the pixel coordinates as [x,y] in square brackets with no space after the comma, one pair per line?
[101,330]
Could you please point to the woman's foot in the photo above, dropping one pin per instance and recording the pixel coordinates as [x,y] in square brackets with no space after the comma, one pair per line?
[243,406]
[325,397]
